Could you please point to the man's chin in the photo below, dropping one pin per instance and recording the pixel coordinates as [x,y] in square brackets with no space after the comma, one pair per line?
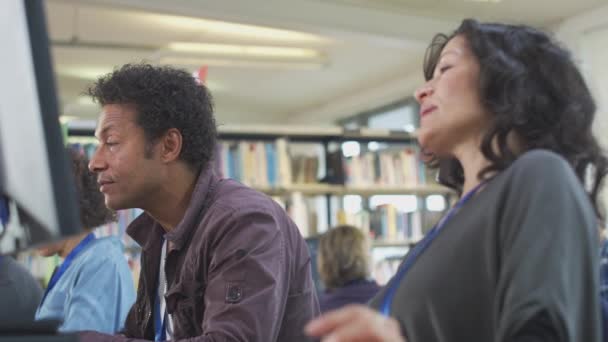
[115,204]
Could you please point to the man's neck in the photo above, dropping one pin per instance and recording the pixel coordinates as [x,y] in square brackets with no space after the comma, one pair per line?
[170,205]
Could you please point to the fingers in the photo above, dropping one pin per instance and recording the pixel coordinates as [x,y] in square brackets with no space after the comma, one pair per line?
[326,323]
[354,323]
[370,327]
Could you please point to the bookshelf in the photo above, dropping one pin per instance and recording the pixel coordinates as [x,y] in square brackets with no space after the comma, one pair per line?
[236,143]
[307,171]
[339,190]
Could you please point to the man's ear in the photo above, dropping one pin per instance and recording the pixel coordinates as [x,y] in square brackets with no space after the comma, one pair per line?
[171,145]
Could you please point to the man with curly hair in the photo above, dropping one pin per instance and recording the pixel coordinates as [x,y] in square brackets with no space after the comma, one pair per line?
[93,288]
[220,261]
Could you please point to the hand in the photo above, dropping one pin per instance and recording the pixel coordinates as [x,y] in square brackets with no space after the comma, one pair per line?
[355,323]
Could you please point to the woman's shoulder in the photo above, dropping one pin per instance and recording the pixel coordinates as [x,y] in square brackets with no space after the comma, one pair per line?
[540,165]
[540,159]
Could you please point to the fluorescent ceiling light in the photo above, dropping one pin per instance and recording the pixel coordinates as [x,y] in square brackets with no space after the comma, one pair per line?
[85,73]
[67,118]
[246,64]
[244,50]
[85,101]
[234,30]
[92,74]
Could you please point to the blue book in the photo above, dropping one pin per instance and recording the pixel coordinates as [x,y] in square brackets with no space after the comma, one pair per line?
[234,159]
[271,164]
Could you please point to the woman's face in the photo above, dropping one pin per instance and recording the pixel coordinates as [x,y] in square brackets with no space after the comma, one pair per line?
[451,114]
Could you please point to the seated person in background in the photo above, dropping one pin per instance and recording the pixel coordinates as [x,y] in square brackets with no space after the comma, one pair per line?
[343,263]
[93,288]
[20,293]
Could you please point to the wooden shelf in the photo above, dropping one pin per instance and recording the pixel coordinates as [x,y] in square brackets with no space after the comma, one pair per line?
[274,131]
[315,189]
[383,135]
[399,243]
[396,190]
[339,190]
[294,132]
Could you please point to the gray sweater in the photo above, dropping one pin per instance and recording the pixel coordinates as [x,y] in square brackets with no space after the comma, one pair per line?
[20,293]
[518,262]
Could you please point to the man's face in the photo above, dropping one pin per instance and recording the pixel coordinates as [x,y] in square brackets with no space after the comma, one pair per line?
[128,177]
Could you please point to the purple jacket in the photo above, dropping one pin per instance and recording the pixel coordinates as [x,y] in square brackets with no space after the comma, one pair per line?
[238,270]
[356,292]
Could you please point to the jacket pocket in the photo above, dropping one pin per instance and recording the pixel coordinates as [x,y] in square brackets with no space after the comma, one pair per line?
[186,306]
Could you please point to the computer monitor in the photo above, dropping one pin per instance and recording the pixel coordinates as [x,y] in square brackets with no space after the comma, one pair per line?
[36,182]
[313,248]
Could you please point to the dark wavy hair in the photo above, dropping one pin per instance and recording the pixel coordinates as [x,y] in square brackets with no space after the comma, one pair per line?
[164,98]
[93,211]
[532,88]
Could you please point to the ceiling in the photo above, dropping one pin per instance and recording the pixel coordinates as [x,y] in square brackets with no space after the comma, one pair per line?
[352,55]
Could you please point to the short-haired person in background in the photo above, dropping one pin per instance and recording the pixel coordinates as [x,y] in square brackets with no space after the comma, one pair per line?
[93,288]
[343,262]
[508,116]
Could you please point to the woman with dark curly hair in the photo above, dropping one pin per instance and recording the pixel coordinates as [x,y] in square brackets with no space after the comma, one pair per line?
[506,116]
[93,288]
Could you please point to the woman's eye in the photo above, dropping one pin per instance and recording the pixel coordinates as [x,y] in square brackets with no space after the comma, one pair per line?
[445,68]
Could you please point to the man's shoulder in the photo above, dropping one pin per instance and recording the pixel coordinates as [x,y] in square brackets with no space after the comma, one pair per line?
[240,199]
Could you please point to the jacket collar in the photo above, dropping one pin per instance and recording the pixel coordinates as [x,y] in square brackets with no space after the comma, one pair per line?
[147,232]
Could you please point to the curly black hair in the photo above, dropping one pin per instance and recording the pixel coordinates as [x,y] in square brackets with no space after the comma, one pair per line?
[93,211]
[531,86]
[164,98]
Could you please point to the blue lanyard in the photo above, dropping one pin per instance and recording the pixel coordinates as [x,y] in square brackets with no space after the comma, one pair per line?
[160,328]
[66,263]
[4,211]
[385,308]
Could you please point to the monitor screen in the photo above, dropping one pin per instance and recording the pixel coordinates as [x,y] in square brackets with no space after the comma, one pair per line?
[36,184]
[313,248]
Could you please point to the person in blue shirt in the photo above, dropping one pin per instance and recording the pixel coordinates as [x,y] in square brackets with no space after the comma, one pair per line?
[93,288]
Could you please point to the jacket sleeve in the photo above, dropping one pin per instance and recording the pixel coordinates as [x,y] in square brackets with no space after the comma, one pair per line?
[547,286]
[246,290]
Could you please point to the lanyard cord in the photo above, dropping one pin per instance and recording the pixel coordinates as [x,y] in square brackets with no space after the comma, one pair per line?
[385,308]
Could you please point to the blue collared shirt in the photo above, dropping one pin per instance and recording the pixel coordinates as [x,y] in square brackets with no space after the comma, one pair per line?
[95,292]
[604,286]
[604,270]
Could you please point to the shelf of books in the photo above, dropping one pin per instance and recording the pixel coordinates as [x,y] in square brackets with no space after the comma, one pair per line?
[323,177]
